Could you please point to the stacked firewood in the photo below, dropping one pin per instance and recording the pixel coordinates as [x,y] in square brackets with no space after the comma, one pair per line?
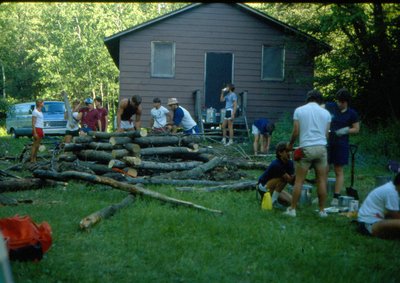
[135,154]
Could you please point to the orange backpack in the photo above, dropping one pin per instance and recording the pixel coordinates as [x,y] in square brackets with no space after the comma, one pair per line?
[25,240]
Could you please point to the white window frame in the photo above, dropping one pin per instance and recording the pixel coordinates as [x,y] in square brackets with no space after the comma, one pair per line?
[280,78]
[161,75]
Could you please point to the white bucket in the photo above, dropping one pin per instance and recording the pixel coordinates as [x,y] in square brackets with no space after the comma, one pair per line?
[210,115]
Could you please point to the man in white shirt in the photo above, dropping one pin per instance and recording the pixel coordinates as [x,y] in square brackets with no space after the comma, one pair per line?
[379,214]
[311,124]
[182,117]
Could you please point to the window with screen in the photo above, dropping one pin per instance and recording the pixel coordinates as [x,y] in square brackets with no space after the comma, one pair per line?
[273,62]
[162,59]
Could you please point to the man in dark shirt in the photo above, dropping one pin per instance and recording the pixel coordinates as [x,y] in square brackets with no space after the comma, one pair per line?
[89,117]
[126,109]
[277,175]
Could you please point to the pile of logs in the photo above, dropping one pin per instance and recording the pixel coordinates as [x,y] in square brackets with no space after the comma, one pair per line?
[128,160]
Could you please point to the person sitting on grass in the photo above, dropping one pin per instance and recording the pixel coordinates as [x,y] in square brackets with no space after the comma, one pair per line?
[277,175]
[379,214]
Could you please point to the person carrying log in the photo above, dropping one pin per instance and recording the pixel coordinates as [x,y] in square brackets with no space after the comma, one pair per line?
[73,124]
[182,117]
[126,110]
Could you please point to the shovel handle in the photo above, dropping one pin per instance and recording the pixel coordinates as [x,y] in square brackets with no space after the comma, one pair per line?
[353,149]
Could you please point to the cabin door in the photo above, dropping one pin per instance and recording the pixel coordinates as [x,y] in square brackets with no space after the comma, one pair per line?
[218,72]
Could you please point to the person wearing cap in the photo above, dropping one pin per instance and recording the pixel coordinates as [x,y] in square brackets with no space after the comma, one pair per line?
[37,128]
[89,117]
[103,112]
[278,174]
[182,117]
[230,99]
[345,122]
[160,116]
[126,110]
[262,128]
[379,214]
[311,124]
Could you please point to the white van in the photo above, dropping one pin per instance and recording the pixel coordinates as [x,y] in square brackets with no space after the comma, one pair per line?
[19,119]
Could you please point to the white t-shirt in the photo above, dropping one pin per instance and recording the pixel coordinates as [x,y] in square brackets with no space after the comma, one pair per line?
[39,118]
[313,124]
[75,122]
[377,202]
[159,116]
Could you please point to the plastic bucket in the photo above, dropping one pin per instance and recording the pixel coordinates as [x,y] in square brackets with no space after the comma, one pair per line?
[305,195]
[210,115]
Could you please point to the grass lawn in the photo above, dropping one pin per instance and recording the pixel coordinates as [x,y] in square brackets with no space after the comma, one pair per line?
[150,241]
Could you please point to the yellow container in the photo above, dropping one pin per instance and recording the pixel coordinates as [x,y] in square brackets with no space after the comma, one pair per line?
[266,203]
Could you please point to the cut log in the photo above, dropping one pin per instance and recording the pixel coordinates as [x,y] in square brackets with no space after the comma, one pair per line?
[14,185]
[197,172]
[95,155]
[105,213]
[162,181]
[82,139]
[120,186]
[132,160]
[131,134]
[103,146]
[74,146]
[170,166]
[245,164]
[115,163]
[166,150]
[166,140]
[120,140]
[67,156]
[133,148]
[119,153]
[237,186]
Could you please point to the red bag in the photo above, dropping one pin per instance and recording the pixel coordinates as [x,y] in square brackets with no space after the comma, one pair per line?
[25,239]
[298,154]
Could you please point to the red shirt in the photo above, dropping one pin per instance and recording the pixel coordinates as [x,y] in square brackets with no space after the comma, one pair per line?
[89,118]
[103,112]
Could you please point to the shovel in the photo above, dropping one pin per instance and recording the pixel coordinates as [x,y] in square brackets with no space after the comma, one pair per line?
[351,192]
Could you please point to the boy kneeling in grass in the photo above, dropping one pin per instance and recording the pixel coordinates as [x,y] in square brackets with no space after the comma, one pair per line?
[279,173]
[379,214]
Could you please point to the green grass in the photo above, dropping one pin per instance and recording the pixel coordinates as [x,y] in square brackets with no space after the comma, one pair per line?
[150,241]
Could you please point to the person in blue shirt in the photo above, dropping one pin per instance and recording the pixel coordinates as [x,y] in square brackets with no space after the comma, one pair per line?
[230,98]
[344,122]
[182,117]
[277,175]
[262,128]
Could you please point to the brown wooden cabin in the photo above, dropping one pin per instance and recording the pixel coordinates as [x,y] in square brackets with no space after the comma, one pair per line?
[193,52]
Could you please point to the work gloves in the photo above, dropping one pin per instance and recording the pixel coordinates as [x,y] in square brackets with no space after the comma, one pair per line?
[342,131]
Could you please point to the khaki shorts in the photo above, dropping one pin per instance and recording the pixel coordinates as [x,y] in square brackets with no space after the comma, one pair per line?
[316,156]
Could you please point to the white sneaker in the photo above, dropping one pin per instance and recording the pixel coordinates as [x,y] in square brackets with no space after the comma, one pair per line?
[230,142]
[290,212]
[322,214]
[334,202]
[223,141]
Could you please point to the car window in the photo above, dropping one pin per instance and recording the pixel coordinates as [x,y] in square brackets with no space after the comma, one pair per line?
[53,107]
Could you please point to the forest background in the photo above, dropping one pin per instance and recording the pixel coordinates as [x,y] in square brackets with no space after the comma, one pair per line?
[48,47]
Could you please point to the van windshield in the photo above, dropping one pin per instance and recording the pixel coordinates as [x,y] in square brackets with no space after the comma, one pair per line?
[53,107]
